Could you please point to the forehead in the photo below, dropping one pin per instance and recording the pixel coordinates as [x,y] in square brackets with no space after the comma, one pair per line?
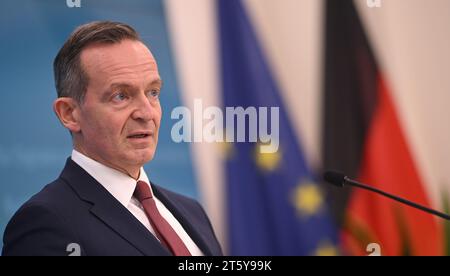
[127,59]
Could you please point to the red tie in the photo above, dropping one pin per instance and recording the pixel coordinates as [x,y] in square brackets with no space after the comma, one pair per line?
[163,230]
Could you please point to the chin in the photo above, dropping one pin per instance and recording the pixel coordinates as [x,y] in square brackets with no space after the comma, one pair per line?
[143,157]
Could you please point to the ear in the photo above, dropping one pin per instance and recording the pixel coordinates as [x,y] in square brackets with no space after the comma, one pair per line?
[67,110]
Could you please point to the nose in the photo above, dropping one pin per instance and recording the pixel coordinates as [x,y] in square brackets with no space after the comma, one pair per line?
[144,109]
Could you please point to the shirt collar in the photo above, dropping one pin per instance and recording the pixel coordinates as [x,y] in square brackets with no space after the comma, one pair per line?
[120,185]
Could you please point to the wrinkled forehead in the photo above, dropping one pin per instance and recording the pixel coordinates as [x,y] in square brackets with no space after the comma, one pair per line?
[125,57]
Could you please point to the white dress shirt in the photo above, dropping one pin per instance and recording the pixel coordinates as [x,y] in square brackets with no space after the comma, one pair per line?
[122,187]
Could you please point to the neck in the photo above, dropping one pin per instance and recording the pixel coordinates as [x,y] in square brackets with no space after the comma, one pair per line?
[131,172]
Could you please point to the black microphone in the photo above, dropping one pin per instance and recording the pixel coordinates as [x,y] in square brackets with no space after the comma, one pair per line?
[340,180]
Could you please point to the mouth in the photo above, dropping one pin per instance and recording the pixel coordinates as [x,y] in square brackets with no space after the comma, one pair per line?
[139,135]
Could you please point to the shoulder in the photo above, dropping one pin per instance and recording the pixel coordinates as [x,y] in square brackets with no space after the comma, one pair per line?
[189,209]
[184,206]
[58,196]
[179,201]
[173,195]
[39,226]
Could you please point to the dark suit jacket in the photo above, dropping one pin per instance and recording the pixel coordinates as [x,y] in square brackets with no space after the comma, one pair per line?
[77,209]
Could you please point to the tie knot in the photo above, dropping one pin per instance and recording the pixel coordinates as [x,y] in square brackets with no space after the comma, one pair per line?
[142,191]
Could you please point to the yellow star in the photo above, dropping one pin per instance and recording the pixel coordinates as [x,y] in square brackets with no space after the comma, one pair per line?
[267,161]
[226,150]
[326,249]
[308,199]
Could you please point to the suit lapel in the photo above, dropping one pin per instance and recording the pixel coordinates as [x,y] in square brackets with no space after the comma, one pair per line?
[110,211]
[180,214]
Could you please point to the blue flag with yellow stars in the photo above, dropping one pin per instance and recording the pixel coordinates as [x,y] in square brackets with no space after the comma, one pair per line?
[275,207]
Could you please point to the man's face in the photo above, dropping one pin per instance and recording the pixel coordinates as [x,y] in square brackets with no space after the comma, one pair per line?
[121,113]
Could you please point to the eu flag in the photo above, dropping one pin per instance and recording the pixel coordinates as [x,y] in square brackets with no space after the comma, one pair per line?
[274,205]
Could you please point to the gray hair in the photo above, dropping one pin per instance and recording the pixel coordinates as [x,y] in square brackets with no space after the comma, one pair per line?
[70,78]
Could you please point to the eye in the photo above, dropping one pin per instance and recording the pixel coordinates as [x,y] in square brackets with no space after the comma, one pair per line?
[154,94]
[119,97]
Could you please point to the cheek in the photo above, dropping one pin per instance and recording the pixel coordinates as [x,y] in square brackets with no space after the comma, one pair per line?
[158,115]
[102,128]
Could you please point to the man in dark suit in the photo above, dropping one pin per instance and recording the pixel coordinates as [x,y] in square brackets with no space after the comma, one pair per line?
[108,88]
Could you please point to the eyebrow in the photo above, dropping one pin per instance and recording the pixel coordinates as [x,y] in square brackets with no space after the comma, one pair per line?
[116,85]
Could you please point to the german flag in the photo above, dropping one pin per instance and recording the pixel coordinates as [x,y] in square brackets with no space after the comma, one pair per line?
[363,137]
